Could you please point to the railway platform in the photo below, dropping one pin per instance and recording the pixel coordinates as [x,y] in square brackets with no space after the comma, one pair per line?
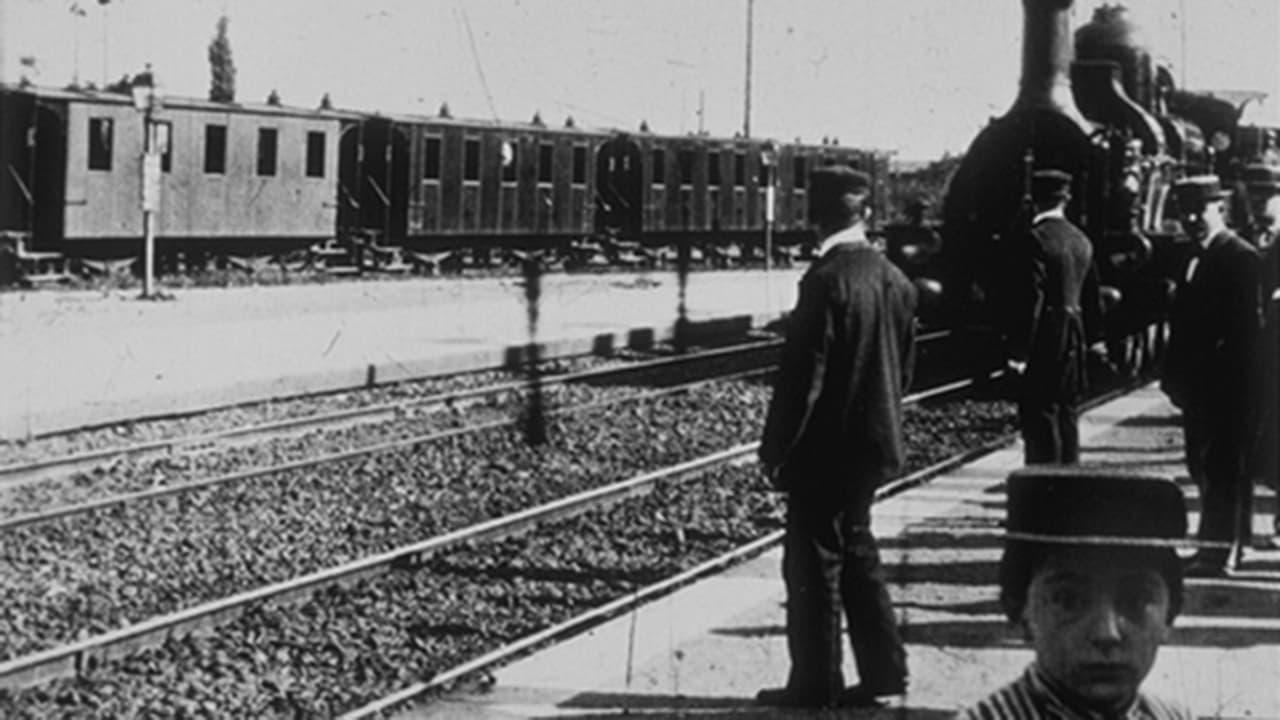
[71,359]
[705,650]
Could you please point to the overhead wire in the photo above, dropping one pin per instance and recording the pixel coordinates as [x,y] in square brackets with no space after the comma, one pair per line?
[475,56]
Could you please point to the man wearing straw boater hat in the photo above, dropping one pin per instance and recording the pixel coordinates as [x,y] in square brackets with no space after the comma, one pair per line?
[1212,370]
[1091,575]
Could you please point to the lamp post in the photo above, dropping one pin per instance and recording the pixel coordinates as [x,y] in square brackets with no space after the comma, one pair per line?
[147,101]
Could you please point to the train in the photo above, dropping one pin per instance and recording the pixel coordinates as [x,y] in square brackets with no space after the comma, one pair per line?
[1096,104]
[385,190]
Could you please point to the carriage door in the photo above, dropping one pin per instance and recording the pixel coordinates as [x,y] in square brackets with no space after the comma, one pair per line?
[619,202]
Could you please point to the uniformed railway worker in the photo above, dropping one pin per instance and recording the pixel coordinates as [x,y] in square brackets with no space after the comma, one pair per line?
[1091,574]
[1211,370]
[833,434]
[1055,291]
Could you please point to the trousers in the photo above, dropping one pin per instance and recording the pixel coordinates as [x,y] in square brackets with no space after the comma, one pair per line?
[1050,431]
[831,567]
[1218,447]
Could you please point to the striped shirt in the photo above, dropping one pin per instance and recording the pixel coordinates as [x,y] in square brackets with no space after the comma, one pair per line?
[1030,698]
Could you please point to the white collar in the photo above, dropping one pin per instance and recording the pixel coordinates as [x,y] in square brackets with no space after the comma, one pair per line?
[1055,212]
[853,234]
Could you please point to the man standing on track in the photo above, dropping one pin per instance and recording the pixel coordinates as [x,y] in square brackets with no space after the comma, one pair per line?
[1055,303]
[832,436]
[1211,370]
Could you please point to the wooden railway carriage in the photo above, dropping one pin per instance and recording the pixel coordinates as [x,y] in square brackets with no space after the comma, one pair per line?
[658,188]
[236,177]
[438,184]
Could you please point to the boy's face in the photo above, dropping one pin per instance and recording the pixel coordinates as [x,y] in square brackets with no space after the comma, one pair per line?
[1096,619]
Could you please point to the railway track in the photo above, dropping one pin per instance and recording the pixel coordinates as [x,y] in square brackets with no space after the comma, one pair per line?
[17,472]
[132,481]
[85,655]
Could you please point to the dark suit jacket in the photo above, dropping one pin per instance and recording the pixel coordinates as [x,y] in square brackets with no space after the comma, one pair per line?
[1056,309]
[1212,359]
[835,422]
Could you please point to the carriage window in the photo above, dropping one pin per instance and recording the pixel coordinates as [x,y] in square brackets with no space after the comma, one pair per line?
[471,159]
[579,165]
[511,161]
[267,151]
[801,177]
[685,159]
[215,149]
[659,167]
[431,164]
[544,163]
[315,154]
[739,170]
[100,141]
[713,169]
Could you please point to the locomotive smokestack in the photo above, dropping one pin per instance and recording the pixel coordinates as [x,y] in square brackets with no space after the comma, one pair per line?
[1047,52]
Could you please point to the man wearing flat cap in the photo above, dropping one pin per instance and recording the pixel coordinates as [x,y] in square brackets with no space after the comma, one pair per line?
[1056,310]
[833,434]
[1091,575]
[1211,370]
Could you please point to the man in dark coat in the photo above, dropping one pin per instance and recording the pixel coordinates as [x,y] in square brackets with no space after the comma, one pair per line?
[1266,239]
[1211,369]
[1055,307]
[832,436]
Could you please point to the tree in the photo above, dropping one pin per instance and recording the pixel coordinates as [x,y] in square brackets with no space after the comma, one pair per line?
[222,87]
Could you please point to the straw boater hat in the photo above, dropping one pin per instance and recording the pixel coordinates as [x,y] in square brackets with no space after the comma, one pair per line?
[1054,508]
[1198,190]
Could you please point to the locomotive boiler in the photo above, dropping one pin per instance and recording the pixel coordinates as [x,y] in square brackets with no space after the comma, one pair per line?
[1095,104]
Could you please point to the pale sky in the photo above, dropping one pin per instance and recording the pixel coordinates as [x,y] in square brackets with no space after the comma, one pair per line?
[919,77]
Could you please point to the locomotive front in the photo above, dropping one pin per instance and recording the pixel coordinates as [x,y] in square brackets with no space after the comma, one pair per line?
[1095,113]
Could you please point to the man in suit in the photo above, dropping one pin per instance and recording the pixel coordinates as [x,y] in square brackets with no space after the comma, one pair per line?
[1266,238]
[1055,308]
[833,434]
[1211,370]
[1091,575]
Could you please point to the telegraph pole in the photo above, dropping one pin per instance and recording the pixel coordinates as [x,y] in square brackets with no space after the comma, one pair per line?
[746,109]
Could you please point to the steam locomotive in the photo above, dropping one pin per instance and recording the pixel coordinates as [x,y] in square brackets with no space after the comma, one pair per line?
[387,191]
[1097,105]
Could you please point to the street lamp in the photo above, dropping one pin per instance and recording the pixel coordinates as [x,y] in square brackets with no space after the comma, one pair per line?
[147,101]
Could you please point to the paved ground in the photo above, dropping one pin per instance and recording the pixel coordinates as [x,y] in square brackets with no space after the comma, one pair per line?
[75,358]
[704,652]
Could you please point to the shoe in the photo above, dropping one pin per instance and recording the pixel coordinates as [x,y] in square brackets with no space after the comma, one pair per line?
[786,697]
[869,696]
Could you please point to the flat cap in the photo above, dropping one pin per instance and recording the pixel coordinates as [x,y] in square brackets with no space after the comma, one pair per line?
[1050,183]
[1080,505]
[835,180]
[1198,190]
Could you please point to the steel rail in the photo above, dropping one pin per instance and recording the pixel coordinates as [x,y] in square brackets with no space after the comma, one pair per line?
[18,521]
[84,655]
[443,680]
[19,473]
